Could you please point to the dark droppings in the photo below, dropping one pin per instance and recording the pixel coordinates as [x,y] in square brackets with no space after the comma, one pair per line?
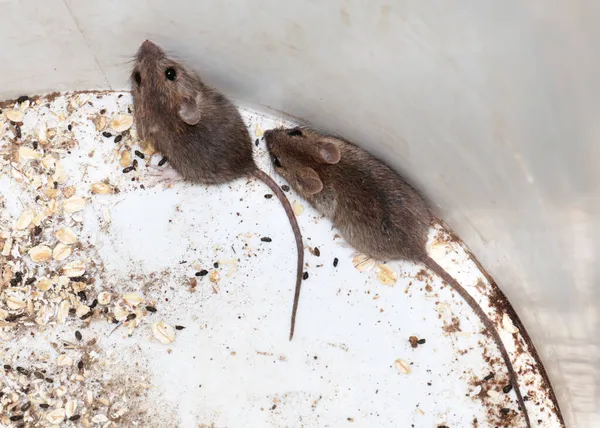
[35,145]
[317,252]
[44,405]
[203,272]
[179,327]
[505,411]
[421,341]
[26,406]
[80,365]
[216,265]
[285,188]
[268,196]
[305,275]
[37,230]
[22,99]
[39,375]
[16,418]
[266,239]
[30,280]
[70,127]
[163,161]
[78,335]
[18,131]
[107,134]
[256,142]
[335,262]
[507,388]
[75,417]
[7,367]
[49,380]
[23,371]
[103,111]
[82,296]
[118,138]
[14,317]
[86,316]
[127,170]
[139,154]
[130,317]
[94,303]
[135,164]
[489,377]
[151,309]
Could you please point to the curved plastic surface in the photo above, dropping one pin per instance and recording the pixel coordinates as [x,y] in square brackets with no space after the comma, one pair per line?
[489,107]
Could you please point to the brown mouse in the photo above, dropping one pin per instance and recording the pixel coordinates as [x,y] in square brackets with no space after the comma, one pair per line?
[376,211]
[201,132]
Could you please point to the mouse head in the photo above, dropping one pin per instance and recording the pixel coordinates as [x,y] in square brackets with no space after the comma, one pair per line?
[163,87]
[301,155]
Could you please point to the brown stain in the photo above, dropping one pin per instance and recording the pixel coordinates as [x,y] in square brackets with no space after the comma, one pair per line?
[385,10]
[345,16]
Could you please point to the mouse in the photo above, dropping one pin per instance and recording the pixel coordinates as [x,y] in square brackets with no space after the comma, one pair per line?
[199,131]
[376,211]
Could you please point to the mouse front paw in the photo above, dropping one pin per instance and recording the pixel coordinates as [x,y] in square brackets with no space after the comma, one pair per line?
[165,175]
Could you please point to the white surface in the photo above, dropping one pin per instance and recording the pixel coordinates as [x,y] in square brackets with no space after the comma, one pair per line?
[233,366]
[489,107]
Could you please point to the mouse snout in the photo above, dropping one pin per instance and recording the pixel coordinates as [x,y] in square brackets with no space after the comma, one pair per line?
[150,48]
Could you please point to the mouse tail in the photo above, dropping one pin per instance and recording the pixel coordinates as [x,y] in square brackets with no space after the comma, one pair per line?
[489,326]
[297,234]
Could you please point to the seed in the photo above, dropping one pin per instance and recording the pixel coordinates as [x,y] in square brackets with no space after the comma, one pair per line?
[335,262]
[151,309]
[305,275]
[402,366]
[26,406]
[317,252]
[203,272]
[127,170]
[507,388]
[414,341]
[268,196]
[164,333]
[163,161]
[266,239]
[118,138]
[78,335]
[107,134]
[179,327]
[139,154]
[285,188]
[23,371]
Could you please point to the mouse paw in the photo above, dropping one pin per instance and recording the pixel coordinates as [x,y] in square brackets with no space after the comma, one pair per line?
[162,175]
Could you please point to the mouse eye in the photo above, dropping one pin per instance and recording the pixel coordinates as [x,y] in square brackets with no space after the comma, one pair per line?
[276,162]
[170,73]
[137,77]
[295,133]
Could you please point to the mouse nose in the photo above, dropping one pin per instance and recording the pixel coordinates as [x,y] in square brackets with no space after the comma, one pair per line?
[149,47]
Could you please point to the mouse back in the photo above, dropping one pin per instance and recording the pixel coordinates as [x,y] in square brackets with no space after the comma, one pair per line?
[196,127]
[377,211]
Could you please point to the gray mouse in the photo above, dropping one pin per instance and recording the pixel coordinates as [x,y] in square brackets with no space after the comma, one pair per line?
[376,211]
[199,130]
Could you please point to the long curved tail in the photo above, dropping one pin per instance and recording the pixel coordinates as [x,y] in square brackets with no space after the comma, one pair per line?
[297,234]
[489,326]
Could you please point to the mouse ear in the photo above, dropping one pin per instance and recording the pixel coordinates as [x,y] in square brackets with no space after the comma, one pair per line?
[309,180]
[189,110]
[329,152]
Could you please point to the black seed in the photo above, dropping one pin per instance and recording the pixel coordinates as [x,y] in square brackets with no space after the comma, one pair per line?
[44,405]
[305,275]
[127,170]
[507,388]
[139,154]
[70,127]
[78,335]
[39,375]
[268,196]
[285,188]
[16,418]
[94,303]
[30,281]
[317,252]
[421,341]
[118,138]
[163,161]
[107,134]
[489,377]
[216,265]
[35,145]
[130,317]
[256,142]
[179,327]
[82,296]
[37,230]
[23,371]
[203,272]
[26,406]
[266,239]
[86,316]
[22,99]
[135,164]
[7,367]
[80,365]
[335,262]
[151,309]
[75,417]
[103,111]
